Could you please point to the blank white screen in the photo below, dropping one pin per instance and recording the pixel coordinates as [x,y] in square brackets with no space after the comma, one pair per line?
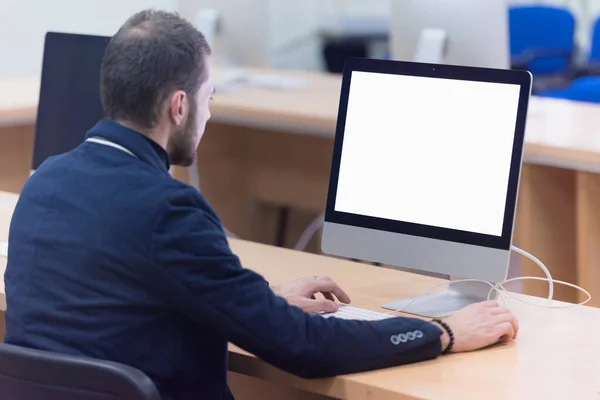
[429,151]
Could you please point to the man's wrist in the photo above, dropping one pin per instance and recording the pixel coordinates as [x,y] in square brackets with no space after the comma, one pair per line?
[445,338]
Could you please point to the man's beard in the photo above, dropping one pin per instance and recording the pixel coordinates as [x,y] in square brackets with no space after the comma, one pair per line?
[182,147]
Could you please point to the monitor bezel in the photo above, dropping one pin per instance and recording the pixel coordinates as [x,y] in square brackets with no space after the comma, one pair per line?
[521,78]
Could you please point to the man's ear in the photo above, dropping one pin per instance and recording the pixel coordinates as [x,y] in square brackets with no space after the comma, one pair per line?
[178,107]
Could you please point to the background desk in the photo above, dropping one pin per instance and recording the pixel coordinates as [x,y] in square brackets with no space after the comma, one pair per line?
[269,148]
[555,356]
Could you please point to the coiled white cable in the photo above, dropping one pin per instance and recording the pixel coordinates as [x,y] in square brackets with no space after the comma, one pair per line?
[539,264]
[522,278]
[502,291]
[309,232]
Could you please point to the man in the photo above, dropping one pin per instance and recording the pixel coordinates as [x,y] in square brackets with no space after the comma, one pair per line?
[111,258]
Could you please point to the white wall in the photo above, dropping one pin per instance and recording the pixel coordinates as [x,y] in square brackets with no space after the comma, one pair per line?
[23,24]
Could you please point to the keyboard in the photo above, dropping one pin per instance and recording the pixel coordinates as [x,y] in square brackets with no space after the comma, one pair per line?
[348,312]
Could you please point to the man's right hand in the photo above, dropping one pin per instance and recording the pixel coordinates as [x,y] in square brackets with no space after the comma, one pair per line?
[480,325]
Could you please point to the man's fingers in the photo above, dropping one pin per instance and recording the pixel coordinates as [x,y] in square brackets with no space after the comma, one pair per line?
[490,303]
[503,314]
[321,305]
[499,311]
[328,296]
[515,324]
[326,285]
[505,331]
[510,319]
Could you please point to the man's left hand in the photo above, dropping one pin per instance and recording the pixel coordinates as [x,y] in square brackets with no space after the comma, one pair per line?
[301,293]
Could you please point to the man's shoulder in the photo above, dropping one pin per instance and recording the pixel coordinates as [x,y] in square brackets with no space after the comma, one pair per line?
[45,175]
[184,201]
[182,195]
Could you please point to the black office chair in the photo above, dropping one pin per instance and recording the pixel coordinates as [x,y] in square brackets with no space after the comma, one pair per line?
[27,374]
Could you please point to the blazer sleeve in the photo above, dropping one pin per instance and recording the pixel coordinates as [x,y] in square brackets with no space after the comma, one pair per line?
[199,275]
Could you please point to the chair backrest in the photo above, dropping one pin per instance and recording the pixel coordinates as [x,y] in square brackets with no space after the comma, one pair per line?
[69,98]
[542,30]
[594,56]
[28,374]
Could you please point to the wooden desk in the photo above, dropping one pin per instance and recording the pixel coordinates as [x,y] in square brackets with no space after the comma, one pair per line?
[555,356]
[266,148]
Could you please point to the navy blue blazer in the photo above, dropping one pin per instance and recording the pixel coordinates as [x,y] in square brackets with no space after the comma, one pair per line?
[109,257]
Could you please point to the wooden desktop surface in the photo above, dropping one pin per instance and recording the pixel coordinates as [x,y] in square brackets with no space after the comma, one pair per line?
[555,355]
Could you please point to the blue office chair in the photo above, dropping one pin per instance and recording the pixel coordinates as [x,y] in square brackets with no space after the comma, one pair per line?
[586,85]
[585,89]
[594,55]
[592,64]
[542,39]
[27,374]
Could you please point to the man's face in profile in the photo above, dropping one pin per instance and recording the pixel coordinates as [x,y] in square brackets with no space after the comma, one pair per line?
[183,144]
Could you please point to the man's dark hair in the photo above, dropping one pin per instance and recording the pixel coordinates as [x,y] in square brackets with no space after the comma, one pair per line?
[152,55]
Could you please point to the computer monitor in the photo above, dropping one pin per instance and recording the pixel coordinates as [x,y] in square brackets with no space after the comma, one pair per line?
[69,101]
[425,172]
[460,32]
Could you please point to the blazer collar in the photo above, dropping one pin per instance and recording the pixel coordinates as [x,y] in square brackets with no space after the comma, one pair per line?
[143,147]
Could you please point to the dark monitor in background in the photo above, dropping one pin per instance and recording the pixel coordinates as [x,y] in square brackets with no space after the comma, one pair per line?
[69,103]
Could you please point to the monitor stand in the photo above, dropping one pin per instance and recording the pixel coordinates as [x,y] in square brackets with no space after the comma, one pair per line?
[457,296]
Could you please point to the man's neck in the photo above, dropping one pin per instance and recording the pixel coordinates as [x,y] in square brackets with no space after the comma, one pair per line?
[161,140]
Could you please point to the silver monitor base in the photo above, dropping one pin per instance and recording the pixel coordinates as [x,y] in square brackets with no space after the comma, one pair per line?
[456,297]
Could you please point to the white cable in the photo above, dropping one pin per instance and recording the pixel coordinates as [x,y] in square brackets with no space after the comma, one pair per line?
[499,287]
[542,266]
[589,296]
[309,232]
[502,291]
